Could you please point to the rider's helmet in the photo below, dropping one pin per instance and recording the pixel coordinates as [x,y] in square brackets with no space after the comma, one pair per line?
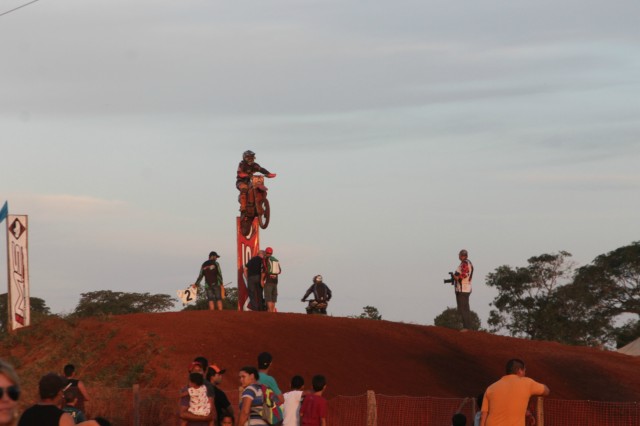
[317,279]
[249,156]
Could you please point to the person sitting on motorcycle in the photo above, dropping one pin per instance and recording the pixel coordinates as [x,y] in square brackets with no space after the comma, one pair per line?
[246,169]
[321,293]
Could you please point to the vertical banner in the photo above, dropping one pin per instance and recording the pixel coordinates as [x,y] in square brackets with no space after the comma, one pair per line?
[247,248]
[18,271]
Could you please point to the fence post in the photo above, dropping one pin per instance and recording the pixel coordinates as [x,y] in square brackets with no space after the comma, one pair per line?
[136,405]
[372,409]
[540,412]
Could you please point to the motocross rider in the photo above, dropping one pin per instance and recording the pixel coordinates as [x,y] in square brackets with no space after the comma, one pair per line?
[246,169]
[321,293]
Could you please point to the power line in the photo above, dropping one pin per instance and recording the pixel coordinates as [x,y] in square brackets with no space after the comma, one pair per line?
[19,7]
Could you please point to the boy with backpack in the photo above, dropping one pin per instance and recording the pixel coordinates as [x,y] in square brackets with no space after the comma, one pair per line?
[314,406]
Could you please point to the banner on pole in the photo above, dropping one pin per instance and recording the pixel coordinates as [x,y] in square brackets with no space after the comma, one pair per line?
[247,248]
[18,271]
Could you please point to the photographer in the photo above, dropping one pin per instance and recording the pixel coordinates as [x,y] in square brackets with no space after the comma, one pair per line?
[462,284]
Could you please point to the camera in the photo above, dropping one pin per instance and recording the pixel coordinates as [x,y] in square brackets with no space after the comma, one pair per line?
[451,280]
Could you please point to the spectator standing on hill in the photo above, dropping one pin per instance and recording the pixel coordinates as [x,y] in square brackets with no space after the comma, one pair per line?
[10,385]
[462,285]
[292,402]
[72,382]
[271,271]
[264,364]
[212,274]
[505,401]
[314,406]
[47,412]
[254,271]
[251,398]
[222,404]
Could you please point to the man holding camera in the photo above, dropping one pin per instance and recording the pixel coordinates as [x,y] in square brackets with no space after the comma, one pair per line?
[462,283]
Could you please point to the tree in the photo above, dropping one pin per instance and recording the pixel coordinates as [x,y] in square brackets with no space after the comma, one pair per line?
[117,303]
[38,310]
[230,301]
[614,279]
[526,304]
[450,318]
[370,312]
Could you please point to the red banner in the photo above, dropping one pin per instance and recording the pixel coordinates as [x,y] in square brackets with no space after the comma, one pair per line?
[247,248]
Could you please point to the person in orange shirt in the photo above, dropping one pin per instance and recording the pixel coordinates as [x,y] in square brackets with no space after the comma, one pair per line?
[505,401]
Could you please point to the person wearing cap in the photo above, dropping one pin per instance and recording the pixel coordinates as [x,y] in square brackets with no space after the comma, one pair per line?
[271,267]
[246,169]
[212,274]
[222,403]
[47,411]
[254,271]
[462,287]
[264,364]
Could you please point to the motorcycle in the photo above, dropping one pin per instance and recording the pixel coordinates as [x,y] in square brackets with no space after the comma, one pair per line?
[257,206]
[315,307]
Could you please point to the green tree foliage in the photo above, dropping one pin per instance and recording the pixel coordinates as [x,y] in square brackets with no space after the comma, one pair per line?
[626,334]
[526,305]
[614,280]
[230,301]
[370,312]
[38,307]
[450,318]
[117,303]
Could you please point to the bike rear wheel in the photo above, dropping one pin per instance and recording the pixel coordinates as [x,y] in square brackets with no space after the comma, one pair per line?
[263,219]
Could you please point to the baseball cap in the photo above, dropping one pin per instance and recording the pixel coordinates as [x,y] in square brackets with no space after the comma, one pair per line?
[217,369]
[213,253]
[268,250]
[264,360]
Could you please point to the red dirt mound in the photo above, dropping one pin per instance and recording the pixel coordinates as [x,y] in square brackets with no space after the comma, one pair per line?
[355,355]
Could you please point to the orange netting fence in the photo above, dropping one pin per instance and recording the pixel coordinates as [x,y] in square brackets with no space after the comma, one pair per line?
[159,407]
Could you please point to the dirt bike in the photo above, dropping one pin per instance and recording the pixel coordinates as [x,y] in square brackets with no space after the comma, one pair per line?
[257,206]
[315,307]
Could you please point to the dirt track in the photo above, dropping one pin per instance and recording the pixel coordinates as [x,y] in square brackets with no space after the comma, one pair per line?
[356,355]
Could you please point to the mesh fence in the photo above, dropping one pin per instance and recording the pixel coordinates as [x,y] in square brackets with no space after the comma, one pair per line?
[590,413]
[159,407]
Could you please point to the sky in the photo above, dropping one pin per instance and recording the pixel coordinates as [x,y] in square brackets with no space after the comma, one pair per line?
[400,133]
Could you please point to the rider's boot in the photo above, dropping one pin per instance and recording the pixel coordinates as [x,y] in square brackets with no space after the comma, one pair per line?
[243,202]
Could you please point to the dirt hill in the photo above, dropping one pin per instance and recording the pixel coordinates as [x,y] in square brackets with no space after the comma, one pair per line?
[356,355]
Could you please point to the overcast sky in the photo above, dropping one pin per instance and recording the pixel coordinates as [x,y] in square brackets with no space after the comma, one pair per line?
[401,132]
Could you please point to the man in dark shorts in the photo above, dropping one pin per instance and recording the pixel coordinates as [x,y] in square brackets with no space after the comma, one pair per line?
[253,270]
[272,269]
[212,274]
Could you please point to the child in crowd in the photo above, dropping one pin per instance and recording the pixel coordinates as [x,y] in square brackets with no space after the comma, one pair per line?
[292,401]
[459,419]
[70,402]
[314,406]
[199,401]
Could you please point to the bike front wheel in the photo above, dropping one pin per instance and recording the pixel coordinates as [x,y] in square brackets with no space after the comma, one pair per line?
[263,219]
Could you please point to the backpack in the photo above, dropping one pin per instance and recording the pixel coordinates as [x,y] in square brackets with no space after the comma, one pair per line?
[271,409]
[273,266]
